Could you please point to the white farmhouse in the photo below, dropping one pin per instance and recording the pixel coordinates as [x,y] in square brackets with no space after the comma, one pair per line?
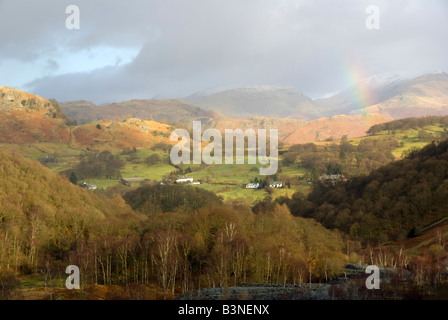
[276,184]
[88,186]
[184,179]
[253,185]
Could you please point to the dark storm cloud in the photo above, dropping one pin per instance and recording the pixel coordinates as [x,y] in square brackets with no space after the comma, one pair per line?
[187,45]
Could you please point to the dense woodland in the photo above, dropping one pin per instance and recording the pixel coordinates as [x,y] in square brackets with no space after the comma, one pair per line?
[387,204]
[97,165]
[181,239]
[343,158]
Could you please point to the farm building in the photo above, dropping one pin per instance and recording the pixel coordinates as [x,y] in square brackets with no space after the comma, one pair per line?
[88,186]
[276,184]
[255,185]
[184,179]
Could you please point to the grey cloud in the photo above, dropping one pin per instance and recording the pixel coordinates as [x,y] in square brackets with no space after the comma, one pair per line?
[51,65]
[187,46]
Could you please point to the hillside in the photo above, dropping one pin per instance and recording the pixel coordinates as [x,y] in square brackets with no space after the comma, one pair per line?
[387,96]
[410,123]
[179,113]
[367,92]
[334,128]
[43,213]
[424,96]
[28,118]
[390,202]
[298,118]
[294,131]
[118,135]
[46,223]
[167,111]
[390,95]
[81,111]
[263,101]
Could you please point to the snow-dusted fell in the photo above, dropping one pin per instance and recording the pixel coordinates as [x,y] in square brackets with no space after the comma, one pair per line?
[426,95]
[377,90]
[265,100]
[395,91]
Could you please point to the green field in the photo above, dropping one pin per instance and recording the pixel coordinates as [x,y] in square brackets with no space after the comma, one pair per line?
[37,151]
[226,180]
[154,173]
[408,139]
[229,180]
[293,170]
[229,192]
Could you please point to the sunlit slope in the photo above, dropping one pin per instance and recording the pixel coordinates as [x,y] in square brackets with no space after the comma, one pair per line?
[28,118]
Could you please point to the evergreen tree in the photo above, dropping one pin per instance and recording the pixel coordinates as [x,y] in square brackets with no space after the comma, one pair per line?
[74,178]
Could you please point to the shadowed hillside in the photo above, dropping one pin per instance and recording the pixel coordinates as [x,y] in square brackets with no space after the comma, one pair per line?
[390,204]
[167,111]
[263,101]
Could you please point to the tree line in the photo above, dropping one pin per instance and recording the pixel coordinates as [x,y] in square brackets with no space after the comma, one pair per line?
[343,158]
[409,123]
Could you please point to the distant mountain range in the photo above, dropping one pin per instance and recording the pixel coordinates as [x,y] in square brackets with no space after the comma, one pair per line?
[30,118]
[263,101]
[389,95]
[300,119]
[365,93]
[179,113]
[426,95]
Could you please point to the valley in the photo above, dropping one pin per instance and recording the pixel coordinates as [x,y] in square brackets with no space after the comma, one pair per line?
[223,150]
[216,232]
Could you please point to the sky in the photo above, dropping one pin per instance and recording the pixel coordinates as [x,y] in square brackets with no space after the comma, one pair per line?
[143,49]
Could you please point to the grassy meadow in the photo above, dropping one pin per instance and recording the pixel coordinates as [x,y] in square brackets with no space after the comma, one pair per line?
[226,180]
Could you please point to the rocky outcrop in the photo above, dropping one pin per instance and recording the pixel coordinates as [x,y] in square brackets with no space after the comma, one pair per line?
[27,118]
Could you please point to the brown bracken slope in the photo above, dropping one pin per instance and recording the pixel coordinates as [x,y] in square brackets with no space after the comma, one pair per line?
[26,118]
[108,135]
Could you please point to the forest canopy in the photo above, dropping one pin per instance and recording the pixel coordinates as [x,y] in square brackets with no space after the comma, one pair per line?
[387,204]
[165,198]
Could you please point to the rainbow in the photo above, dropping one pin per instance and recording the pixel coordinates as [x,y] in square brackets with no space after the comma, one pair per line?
[353,75]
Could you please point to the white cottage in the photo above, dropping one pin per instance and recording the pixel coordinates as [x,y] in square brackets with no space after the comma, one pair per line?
[253,185]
